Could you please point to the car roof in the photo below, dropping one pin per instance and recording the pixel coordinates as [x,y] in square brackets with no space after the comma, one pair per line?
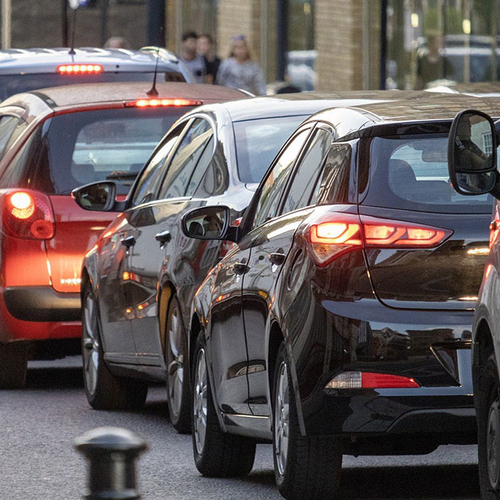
[379,108]
[43,60]
[101,93]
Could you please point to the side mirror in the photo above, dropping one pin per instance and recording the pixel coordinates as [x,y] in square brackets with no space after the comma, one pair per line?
[98,196]
[472,153]
[208,223]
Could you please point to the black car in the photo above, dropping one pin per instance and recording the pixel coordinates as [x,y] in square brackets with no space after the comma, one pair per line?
[340,321]
[139,278]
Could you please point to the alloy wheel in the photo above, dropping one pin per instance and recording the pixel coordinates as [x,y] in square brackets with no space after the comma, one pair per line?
[90,343]
[493,444]
[200,401]
[175,360]
[282,419]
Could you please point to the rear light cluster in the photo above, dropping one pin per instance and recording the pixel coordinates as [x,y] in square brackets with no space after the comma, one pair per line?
[80,69]
[27,214]
[330,238]
[368,380]
[156,103]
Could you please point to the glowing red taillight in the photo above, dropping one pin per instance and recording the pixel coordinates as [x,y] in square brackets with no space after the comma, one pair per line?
[155,103]
[27,214]
[79,69]
[330,238]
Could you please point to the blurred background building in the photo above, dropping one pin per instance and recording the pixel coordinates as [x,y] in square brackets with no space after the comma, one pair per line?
[316,44]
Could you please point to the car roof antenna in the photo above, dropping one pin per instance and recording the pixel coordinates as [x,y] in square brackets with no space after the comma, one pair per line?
[152,91]
[74,4]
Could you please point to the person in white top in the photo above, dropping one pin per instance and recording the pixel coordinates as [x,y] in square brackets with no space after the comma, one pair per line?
[239,71]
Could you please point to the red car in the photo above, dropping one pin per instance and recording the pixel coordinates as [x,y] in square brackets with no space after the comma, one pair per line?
[52,141]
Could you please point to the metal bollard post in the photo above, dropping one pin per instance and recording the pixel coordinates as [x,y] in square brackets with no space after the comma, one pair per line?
[112,453]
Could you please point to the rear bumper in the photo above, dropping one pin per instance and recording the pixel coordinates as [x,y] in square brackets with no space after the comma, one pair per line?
[42,304]
[433,347]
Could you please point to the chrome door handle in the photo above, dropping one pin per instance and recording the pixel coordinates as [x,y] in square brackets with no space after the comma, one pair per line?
[164,237]
[128,242]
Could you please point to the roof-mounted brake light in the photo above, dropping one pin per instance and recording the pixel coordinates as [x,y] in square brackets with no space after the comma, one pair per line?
[155,103]
[79,69]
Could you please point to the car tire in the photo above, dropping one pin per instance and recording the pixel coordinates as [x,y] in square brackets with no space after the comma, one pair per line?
[216,453]
[176,358]
[13,365]
[104,390]
[488,419]
[304,466]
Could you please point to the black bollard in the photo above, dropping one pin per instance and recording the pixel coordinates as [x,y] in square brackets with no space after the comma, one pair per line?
[112,453]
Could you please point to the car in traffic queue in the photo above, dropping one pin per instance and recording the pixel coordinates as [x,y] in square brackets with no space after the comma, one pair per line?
[23,70]
[52,141]
[139,278]
[340,320]
[473,167]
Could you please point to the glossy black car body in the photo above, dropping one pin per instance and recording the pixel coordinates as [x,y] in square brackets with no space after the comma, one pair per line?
[142,273]
[374,309]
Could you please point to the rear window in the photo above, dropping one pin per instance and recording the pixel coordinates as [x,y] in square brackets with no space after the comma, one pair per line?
[79,148]
[258,142]
[411,173]
[15,84]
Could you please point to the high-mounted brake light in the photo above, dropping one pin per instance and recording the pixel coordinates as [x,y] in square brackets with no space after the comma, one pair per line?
[369,380]
[331,238]
[27,214]
[156,103]
[79,69]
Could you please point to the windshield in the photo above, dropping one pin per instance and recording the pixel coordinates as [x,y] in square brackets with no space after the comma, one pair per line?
[15,84]
[258,142]
[79,148]
[411,173]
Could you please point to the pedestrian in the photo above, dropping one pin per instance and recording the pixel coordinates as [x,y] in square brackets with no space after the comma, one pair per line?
[239,71]
[117,42]
[431,65]
[194,62]
[205,48]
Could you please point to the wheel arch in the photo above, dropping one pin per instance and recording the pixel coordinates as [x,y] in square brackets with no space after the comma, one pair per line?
[483,347]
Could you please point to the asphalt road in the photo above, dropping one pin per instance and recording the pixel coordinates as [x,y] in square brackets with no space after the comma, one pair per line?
[38,426]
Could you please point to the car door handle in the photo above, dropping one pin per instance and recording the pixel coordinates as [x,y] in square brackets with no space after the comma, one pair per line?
[240,268]
[163,237]
[277,258]
[128,242]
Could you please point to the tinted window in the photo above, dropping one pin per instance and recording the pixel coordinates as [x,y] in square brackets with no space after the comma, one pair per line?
[333,186]
[105,144]
[197,139]
[15,84]
[7,126]
[216,178]
[258,142]
[412,173]
[275,182]
[151,176]
[307,172]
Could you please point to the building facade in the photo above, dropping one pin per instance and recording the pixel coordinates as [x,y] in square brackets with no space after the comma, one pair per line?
[317,44]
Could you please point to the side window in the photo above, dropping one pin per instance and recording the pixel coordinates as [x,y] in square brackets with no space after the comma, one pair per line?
[8,124]
[275,182]
[190,152]
[216,178]
[306,174]
[148,182]
[333,186]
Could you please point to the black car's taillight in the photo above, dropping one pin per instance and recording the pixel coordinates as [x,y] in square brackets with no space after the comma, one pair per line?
[335,234]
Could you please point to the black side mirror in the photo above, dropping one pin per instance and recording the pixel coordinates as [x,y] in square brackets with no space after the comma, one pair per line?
[472,153]
[98,196]
[208,223]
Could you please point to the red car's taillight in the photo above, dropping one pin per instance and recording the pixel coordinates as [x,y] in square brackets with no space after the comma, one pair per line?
[79,69]
[158,102]
[333,236]
[27,214]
